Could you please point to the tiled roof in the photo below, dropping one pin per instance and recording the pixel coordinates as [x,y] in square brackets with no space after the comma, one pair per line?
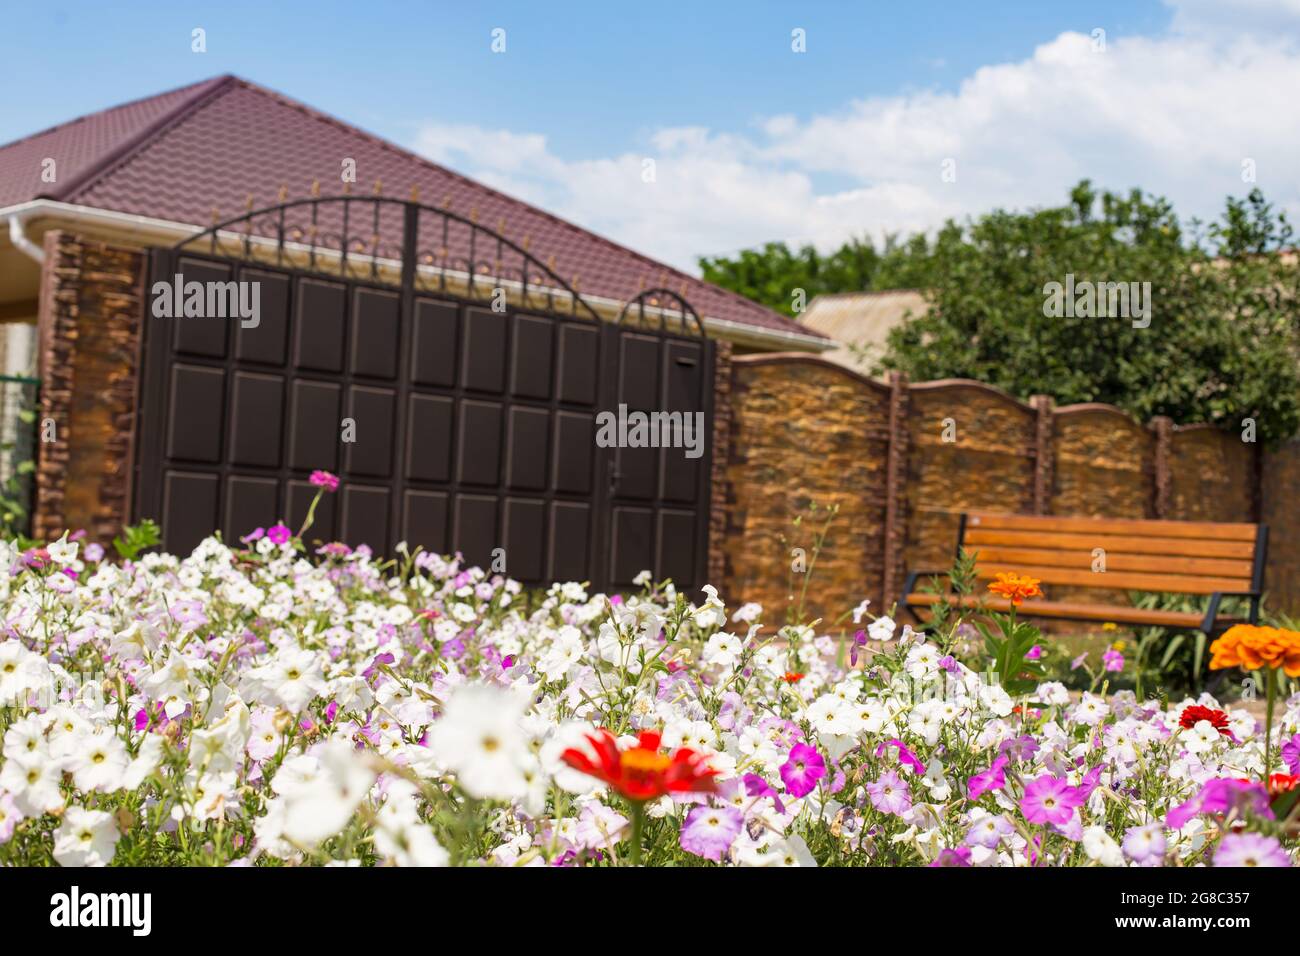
[179,155]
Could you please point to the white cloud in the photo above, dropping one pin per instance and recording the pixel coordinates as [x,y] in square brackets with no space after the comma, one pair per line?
[1175,114]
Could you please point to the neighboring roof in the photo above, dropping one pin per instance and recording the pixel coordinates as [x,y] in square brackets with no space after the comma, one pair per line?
[177,155]
[861,318]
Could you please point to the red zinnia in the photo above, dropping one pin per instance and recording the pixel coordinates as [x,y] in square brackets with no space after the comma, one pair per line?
[1280,783]
[643,772]
[1193,715]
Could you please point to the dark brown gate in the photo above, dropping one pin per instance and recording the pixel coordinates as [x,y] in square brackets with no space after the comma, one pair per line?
[450,379]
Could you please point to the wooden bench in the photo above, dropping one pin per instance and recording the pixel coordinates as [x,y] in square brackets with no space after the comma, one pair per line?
[1183,557]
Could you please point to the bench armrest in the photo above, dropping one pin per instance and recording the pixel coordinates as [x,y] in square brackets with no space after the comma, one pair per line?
[1210,624]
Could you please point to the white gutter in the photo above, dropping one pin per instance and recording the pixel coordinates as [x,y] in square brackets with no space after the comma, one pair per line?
[105,218]
[19,238]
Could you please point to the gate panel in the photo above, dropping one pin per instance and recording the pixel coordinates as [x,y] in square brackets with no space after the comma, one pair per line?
[452,425]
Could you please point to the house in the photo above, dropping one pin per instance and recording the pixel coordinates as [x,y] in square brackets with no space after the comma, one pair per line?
[158,169]
[860,322]
[372,264]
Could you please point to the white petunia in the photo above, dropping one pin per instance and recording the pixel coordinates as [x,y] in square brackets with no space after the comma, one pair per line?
[480,740]
[85,838]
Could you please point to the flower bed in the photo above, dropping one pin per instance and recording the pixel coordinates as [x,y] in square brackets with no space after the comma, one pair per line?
[259,705]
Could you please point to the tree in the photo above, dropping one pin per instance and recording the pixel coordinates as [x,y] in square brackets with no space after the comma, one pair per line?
[774,275]
[1028,302]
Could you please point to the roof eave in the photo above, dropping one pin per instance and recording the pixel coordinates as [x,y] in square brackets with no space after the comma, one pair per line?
[144,231]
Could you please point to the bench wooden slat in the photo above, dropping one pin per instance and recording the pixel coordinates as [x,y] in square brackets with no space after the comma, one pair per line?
[1210,530]
[1191,547]
[1122,580]
[1082,558]
[1080,612]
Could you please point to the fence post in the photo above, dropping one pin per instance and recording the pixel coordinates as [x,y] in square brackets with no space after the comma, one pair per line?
[895,481]
[1163,426]
[1043,457]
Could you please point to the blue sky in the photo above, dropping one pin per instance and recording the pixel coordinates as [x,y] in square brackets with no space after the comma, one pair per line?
[752,141]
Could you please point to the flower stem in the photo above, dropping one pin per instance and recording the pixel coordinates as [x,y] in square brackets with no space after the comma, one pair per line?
[311,513]
[1270,693]
[638,821]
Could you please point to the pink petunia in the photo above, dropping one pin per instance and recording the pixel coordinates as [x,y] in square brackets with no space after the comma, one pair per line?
[802,770]
[323,479]
[1050,799]
[992,779]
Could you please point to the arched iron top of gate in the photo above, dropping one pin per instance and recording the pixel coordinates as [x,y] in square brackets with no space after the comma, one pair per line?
[666,303]
[397,241]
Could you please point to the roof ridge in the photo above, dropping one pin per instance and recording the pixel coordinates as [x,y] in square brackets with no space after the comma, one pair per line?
[203,92]
[107,109]
[651,264]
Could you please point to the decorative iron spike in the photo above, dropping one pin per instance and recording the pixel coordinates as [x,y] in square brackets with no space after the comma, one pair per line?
[315,188]
[473,214]
[501,225]
[216,216]
[415,194]
[446,201]
[550,263]
[379,187]
[528,241]
[249,202]
[347,189]
[283,194]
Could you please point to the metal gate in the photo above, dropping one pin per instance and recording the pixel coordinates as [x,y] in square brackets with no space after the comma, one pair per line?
[453,381]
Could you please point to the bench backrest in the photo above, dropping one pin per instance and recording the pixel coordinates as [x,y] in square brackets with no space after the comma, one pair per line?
[1184,557]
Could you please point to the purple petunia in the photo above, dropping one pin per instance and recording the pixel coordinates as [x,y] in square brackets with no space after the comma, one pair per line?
[859,641]
[1221,796]
[1251,849]
[1291,754]
[905,756]
[959,856]
[756,786]
[279,533]
[890,794]
[1113,660]
[989,831]
[710,831]
[802,769]
[1145,845]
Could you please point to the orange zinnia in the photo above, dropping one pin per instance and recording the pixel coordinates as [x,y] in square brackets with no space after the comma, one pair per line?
[1255,647]
[1016,587]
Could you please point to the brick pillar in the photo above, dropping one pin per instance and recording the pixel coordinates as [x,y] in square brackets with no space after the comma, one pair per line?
[895,483]
[92,305]
[719,491]
[1163,427]
[1043,454]
[56,335]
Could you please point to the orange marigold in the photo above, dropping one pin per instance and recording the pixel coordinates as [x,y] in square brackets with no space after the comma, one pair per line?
[1255,647]
[1015,587]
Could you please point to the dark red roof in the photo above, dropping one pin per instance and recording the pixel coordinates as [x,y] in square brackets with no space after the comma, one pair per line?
[177,155]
